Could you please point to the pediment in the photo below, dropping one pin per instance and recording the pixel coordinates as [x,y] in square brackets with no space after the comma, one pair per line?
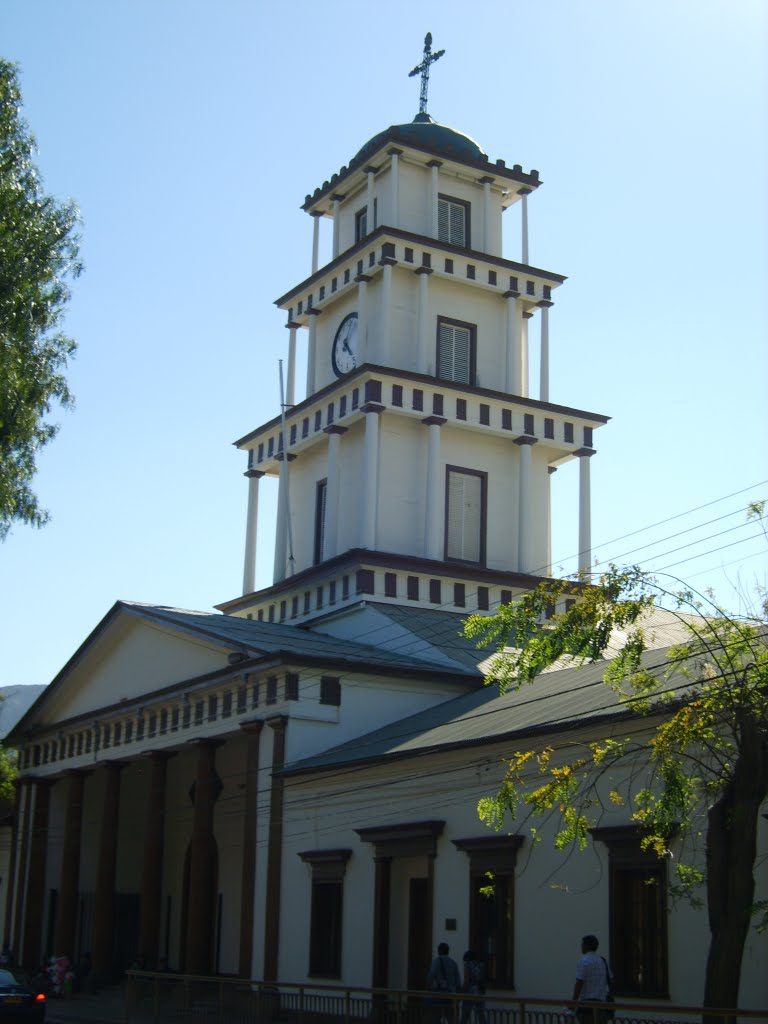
[129,656]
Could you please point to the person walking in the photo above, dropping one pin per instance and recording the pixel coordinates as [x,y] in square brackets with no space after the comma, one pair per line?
[443,977]
[474,985]
[593,982]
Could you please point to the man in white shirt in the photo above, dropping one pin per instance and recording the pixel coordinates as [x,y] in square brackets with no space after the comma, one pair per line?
[593,981]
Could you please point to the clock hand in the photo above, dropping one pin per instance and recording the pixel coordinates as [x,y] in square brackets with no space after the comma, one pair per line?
[345,345]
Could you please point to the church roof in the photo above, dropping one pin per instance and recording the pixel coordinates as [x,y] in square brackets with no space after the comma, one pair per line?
[558,701]
[426,133]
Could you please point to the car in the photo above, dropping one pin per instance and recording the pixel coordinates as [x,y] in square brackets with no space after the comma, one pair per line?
[19,1000]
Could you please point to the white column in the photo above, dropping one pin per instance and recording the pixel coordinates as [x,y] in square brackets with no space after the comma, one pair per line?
[550,471]
[316,240]
[370,173]
[382,352]
[434,189]
[311,351]
[486,213]
[514,344]
[524,255]
[544,374]
[434,492]
[331,538]
[290,384]
[251,524]
[370,476]
[423,346]
[281,531]
[394,198]
[524,356]
[362,318]
[525,508]
[336,200]
[585,511]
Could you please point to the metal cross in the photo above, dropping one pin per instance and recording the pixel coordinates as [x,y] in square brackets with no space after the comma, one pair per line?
[423,69]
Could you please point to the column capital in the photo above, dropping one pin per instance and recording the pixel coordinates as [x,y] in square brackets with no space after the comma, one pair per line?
[254,727]
[387,261]
[372,407]
[545,303]
[394,151]
[334,428]
[424,270]
[278,722]
[486,179]
[434,421]
[288,456]
[524,191]
[527,315]
[551,469]
[205,742]
[254,474]
[338,197]
[292,325]
[584,453]
[525,439]
[371,169]
[313,311]
[511,294]
[435,163]
[362,279]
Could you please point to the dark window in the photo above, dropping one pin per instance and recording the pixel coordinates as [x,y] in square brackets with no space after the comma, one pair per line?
[397,395]
[330,690]
[199,712]
[261,452]
[455,351]
[283,610]
[318,419]
[186,716]
[226,704]
[485,414]
[342,406]
[453,221]
[528,423]
[471,271]
[140,728]
[270,447]
[549,427]
[459,595]
[355,397]
[272,690]
[319,597]
[361,224]
[334,283]
[637,915]
[492,904]
[321,494]
[568,432]
[326,912]
[346,276]
[587,437]
[307,599]
[461,408]
[408,255]
[435,595]
[418,399]
[465,515]
[128,736]
[174,721]
[506,597]
[344,587]
[118,733]
[291,686]
[437,405]
[293,433]
[332,592]
[506,419]
[213,707]
[482,598]
[305,426]
[255,694]
[242,698]
[163,721]
[390,584]
[449,266]
[491,277]
[294,606]
[530,287]
[413,588]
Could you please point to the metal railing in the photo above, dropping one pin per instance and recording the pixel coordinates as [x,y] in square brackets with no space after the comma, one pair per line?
[162,998]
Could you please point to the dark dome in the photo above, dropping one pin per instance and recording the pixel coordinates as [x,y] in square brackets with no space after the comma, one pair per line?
[428,134]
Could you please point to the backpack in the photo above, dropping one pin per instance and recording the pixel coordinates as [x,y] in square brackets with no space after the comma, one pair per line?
[476,971]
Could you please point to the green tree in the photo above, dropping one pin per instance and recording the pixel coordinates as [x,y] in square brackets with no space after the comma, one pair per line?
[38,257]
[704,741]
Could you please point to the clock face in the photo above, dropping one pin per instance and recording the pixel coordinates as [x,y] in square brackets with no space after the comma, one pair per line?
[344,355]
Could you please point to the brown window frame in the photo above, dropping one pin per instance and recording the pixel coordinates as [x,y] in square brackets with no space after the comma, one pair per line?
[492,925]
[637,913]
[326,922]
[472,360]
[443,197]
[483,540]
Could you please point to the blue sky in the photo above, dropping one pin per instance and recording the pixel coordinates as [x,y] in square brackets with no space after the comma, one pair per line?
[189,133]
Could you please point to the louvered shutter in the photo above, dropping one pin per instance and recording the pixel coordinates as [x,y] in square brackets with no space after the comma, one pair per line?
[454,353]
[465,515]
[452,222]
[458,234]
[443,220]
[322,492]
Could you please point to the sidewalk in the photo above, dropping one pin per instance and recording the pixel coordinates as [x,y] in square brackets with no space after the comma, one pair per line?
[106,1007]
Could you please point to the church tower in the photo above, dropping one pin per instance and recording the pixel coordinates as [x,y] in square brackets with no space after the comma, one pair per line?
[414,463]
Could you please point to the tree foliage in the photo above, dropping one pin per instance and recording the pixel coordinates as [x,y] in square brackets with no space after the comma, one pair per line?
[39,249]
[685,749]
